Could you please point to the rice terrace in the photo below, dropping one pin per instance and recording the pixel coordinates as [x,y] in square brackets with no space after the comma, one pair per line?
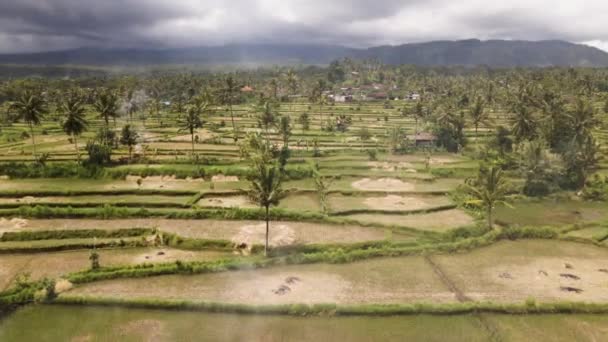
[357,201]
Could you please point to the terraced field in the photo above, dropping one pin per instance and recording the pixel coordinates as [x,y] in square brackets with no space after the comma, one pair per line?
[388,251]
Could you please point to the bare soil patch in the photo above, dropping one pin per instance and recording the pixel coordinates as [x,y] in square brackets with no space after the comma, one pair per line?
[544,270]
[279,235]
[12,225]
[440,221]
[391,167]
[382,184]
[227,202]
[398,203]
[224,179]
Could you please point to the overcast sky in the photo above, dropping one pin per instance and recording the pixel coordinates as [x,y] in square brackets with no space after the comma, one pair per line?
[39,25]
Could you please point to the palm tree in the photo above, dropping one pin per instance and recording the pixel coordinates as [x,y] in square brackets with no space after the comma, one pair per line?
[583,120]
[418,113]
[488,190]
[192,120]
[291,78]
[128,137]
[265,190]
[106,104]
[75,122]
[267,112]
[31,108]
[285,129]
[524,123]
[478,115]
[228,95]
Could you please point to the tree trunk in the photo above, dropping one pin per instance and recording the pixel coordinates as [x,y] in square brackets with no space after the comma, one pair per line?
[490,219]
[76,146]
[267,231]
[416,128]
[33,141]
[192,140]
[130,153]
[236,138]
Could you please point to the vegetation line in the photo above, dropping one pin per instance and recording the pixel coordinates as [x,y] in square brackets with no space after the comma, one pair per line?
[342,310]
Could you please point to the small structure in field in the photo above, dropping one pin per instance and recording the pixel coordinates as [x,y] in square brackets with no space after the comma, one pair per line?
[422,139]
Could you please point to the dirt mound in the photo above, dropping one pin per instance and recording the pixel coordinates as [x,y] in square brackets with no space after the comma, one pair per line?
[223,179]
[394,202]
[279,235]
[227,202]
[382,184]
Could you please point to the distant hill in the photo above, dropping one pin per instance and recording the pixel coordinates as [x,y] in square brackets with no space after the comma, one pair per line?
[494,53]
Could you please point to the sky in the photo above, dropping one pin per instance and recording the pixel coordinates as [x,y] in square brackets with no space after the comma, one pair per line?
[43,25]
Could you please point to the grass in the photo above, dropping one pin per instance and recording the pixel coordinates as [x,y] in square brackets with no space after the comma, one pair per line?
[554,212]
[382,280]
[64,323]
[441,221]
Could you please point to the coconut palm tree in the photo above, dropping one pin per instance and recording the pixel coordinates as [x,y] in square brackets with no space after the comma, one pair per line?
[192,120]
[228,95]
[266,191]
[583,120]
[418,114]
[267,112]
[106,105]
[488,190]
[291,78]
[524,123]
[75,122]
[128,137]
[31,108]
[478,115]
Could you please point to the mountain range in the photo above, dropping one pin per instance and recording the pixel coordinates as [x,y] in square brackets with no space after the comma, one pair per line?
[472,52]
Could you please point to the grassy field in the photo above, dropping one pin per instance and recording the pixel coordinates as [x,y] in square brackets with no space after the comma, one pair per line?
[393,280]
[61,323]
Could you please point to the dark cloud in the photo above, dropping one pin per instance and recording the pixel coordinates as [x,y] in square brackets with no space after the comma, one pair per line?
[33,25]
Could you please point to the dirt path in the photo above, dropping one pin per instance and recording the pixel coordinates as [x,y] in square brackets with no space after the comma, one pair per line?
[491,328]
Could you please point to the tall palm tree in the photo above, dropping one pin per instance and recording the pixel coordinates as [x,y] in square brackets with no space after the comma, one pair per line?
[478,115]
[228,95]
[418,114]
[75,122]
[265,190]
[524,123]
[267,113]
[31,108]
[128,137]
[291,78]
[106,104]
[192,120]
[488,190]
[583,119]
